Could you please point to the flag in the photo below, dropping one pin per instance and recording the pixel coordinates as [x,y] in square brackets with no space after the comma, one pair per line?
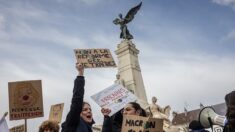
[185,111]
[3,125]
[201,105]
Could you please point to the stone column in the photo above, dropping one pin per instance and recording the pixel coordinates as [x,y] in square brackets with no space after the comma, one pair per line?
[129,69]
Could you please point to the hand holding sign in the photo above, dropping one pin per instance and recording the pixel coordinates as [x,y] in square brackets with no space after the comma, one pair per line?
[105,111]
[80,69]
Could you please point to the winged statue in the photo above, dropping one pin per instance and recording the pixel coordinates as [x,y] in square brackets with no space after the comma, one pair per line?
[125,34]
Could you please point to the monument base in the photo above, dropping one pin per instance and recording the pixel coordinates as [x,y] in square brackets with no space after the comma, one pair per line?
[129,70]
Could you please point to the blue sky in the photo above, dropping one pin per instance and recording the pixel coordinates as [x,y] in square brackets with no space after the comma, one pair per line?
[186,48]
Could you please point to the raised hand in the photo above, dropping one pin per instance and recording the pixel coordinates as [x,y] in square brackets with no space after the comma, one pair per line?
[80,69]
[105,111]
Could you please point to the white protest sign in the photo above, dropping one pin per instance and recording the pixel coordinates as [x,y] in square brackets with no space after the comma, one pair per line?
[114,97]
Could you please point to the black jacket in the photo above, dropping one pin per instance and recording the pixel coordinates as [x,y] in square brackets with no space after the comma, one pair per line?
[73,122]
[113,123]
[228,128]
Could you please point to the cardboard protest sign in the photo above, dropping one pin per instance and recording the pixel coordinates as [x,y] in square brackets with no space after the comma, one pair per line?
[25,99]
[132,123]
[20,128]
[56,112]
[91,58]
[114,97]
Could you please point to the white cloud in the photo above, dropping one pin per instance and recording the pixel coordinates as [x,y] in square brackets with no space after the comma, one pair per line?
[22,30]
[225,2]
[191,78]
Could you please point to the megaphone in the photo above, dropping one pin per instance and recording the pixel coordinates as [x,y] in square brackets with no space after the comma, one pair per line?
[208,117]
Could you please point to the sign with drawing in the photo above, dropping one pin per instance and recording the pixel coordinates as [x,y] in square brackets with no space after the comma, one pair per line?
[92,58]
[114,97]
[56,112]
[25,99]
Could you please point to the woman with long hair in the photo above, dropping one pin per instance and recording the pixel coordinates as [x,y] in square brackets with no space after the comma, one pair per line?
[79,118]
[114,123]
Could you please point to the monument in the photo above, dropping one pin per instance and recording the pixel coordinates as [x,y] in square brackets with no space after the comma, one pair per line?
[128,63]
[119,80]
[129,72]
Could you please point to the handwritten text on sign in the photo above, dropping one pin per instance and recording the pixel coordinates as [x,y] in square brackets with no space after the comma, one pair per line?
[141,124]
[114,97]
[19,128]
[91,58]
[25,99]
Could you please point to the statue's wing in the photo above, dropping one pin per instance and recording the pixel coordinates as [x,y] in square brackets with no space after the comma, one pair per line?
[131,13]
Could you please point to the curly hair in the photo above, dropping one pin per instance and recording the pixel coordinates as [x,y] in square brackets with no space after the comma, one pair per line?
[51,125]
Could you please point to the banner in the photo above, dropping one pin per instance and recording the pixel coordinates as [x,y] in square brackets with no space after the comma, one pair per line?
[20,128]
[114,97]
[3,125]
[92,58]
[56,112]
[25,99]
[132,123]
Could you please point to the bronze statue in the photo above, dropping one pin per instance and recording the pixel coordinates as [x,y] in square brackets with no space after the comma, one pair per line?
[125,34]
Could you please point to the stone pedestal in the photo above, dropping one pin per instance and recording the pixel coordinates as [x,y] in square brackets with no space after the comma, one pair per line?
[129,70]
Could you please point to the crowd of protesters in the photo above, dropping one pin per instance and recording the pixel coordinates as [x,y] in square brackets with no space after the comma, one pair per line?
[80,117]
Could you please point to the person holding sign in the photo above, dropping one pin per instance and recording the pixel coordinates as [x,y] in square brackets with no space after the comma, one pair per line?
[79,118]
[111,124]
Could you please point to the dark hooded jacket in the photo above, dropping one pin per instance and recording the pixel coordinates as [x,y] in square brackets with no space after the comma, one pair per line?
[73,122]
[230,115]
[113,123]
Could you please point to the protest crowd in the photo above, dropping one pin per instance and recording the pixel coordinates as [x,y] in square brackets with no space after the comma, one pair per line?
[80,116]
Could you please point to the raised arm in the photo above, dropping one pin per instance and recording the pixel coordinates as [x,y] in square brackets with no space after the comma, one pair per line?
[108,122]
[73,117]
